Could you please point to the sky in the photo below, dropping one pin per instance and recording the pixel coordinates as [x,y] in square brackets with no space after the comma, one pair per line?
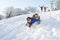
[24,3]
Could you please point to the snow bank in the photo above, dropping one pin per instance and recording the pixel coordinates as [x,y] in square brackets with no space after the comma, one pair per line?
[15,28]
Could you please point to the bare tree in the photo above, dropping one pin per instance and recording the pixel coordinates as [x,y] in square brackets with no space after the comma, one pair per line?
[31,9]
[8,11]
[11,11]
[17,11]
[1,17]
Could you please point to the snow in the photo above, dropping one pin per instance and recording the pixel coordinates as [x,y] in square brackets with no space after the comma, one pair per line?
[15,28]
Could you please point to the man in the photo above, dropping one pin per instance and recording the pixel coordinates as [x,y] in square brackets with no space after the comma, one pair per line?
[45,8]
[41,8]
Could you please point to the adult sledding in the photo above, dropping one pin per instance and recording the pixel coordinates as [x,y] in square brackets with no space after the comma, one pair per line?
[35,19]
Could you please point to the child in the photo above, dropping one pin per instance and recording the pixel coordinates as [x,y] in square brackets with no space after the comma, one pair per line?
[30,21]
[37,17]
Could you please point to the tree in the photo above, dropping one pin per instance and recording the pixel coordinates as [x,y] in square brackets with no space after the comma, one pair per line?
[1,17]
[31,9]
[9,11]
[17,11]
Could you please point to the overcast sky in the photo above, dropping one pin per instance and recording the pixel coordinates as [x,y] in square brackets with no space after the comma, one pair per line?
[23,3]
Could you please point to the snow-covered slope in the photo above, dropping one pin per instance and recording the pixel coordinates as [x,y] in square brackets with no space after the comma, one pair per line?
[15,28]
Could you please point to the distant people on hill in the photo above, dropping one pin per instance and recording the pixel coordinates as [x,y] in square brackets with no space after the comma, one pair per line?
[55,9]
[33,20]
[45,8]
[41,8]
[48,10]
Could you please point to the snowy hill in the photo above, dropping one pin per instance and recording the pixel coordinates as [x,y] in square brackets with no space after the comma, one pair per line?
[15,28]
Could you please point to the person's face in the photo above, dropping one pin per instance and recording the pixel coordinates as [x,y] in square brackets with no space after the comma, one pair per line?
[29,20]
[36,16]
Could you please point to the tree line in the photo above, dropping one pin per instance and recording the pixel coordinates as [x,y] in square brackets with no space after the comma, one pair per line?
[11,11]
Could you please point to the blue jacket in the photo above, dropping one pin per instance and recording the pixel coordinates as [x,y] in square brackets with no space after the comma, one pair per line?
[38,20]
[33,20]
